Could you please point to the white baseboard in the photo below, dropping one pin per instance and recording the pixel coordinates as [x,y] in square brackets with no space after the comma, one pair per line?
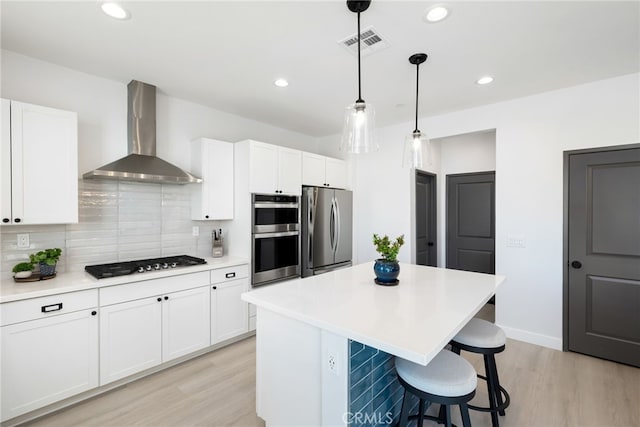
[533,338]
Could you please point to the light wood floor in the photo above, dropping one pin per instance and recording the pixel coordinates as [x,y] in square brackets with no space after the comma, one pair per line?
[548,388]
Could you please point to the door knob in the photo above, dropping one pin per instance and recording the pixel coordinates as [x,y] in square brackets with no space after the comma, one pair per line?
[576,264]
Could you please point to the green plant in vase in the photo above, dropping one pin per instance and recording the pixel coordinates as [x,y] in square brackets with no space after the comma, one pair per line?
[22,270]
[47,260]
[387,268]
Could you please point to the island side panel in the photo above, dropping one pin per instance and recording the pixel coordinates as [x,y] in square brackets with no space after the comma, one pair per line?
[288,375]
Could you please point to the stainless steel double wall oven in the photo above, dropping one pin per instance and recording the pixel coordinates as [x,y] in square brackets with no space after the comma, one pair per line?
[275,238]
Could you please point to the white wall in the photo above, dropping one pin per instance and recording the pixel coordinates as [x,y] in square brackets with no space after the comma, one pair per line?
[471,152]
[101,105]
[531,135]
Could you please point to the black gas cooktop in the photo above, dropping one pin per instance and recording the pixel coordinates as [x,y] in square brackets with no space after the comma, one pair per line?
[103,271]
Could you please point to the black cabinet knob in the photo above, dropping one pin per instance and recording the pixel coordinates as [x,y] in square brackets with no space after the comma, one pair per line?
[93,313]
[16,220]
[576,264]
[206,216]
[214,287]
[166,298]
[430,244]
[159,299]
[5,220]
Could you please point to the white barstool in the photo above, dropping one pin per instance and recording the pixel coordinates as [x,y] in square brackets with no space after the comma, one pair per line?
[480,336]
[447,380]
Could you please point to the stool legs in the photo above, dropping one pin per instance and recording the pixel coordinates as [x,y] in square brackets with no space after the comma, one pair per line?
[491,390]
[404,413]
[496,383]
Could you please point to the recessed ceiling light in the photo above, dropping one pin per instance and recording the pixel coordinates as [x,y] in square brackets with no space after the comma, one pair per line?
[436,13]
[114,10]
[281,83]
[485,80]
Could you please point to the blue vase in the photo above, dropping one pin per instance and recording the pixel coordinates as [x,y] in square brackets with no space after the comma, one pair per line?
[386,271]
[47,270]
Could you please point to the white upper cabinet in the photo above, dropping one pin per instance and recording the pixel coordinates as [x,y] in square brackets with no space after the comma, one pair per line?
[274,169]
[212,161]
[321,171]
[38,165]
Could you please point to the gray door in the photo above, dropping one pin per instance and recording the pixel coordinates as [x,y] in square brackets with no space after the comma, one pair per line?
[426,249]
[343,207]
[471,222]
[604,254]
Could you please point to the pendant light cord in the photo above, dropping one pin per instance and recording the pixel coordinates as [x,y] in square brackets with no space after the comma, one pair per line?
[417,80]
[359,76]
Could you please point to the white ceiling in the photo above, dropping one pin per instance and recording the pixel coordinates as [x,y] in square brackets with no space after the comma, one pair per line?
[226,54]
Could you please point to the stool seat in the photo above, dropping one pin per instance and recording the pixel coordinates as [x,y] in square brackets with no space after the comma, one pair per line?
[482,334]
[446,375]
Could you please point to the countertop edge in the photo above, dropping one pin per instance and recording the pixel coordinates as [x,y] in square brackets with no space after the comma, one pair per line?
[11,291]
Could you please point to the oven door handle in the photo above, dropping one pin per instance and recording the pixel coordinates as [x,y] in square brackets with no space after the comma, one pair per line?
[275,205]
[270,235]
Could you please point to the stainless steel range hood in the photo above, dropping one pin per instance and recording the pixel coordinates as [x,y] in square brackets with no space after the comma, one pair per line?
[142,164]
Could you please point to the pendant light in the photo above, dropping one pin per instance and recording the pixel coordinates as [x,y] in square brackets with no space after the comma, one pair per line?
[357,134]
[417,142]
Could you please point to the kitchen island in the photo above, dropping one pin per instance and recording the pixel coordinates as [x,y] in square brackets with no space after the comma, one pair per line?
[325,344]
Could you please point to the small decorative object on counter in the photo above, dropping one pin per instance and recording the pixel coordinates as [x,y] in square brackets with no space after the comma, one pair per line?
[22,270]
[217,249]
[387,268]
[46,260]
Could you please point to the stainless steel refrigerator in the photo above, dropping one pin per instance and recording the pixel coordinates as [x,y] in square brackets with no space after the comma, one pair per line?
[326,229]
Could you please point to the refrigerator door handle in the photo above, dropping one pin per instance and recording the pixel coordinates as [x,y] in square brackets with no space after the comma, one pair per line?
[310,223]
[338,224]
[332,226]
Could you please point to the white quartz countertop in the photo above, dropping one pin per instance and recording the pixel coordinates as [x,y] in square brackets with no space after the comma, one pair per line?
[78,281]
[413,320]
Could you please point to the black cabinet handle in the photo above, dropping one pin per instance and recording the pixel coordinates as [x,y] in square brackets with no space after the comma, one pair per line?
[166,298]
[214,287]
[206,216]
[16,220]
[576,264]
[52,307]
[5,220]
[230,275]
[159,299]
[93,313]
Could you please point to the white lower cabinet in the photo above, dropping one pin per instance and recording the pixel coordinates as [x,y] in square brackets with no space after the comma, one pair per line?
[130,338]
[229,314]
[141,334]
[47,360]
[185,322]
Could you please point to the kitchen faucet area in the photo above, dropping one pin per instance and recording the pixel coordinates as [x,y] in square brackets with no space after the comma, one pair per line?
[200,226]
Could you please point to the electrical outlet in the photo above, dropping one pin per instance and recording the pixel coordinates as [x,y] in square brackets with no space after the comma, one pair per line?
[195,231]
[516,241]
[332,364]
[23,241]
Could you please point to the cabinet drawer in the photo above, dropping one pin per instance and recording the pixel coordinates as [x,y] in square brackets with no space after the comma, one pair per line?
[230,273]
[39,308]
[153,287]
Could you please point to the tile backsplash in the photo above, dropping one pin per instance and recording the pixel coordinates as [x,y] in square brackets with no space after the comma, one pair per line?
[118,221]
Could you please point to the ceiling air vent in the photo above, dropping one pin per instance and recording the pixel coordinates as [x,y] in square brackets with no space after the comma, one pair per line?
[370,42]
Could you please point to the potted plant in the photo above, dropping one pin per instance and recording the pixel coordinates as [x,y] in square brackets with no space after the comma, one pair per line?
[23,270]
[47,260]
[387,268]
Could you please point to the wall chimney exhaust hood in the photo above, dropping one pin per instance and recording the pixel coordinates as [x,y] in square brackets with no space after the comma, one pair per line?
[142,164]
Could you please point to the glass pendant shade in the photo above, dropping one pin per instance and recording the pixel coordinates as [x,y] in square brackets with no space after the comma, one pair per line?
[358,132]
[416,148]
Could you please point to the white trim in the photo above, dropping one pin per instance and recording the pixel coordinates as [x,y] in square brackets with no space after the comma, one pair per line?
[533,338]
